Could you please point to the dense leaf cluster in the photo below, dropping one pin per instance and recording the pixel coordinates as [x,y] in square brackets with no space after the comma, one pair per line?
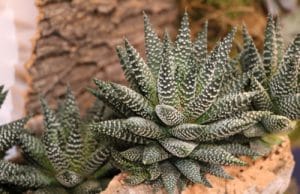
[187,113]
[67,159]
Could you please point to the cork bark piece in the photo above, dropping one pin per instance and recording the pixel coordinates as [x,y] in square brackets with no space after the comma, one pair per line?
[269,174]
[76,39]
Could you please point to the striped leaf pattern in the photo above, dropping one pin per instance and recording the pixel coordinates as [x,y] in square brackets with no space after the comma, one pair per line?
[198,110]
[186,113]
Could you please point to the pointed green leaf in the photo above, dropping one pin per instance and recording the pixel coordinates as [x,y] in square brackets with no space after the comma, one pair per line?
[235,84]
[117,129]
[289,106]
[284,82]
[123,164]
[270,47]
[170,177]
[154,153]
[204,100]
[187,87]
[126,66]
[142,74]
[200,53]
[70,120]
[218,61]
[221,53]
[9,133]
[188,131]
[16,126]
[74,148]
[153,47]
[23,176]
[52,138]
[293,50]
[183,47]
[215,155]
[215,170]
[262,100]
[178,147]
[8,139]
[133,154]
[154,171]
[190,169]
[169,115]
[200,44]
[107,94]
[250,58]
[276,123]
[126,99]
[225,128]
[145,128]
[70,115]
[186,73]
[229,105]
[239,150]
[95,160]
[34,149]
[134,101]
[279,40]
[166,84]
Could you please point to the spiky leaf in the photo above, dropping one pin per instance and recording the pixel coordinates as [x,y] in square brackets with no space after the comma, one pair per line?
[145,128]
[289,106]
[118,129]
[134,154]
[153,47]
[178,147]
[166,84]
[141,73]
[215,170]
[154,153]
[170,177]
[215,155]
[190,169]
[52,138]
[188,131]
[169,115]
[270,47]
[204,100]
[239,150]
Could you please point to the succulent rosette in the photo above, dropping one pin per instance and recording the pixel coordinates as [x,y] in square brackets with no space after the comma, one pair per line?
[186,113]
[275,76]
[66,160]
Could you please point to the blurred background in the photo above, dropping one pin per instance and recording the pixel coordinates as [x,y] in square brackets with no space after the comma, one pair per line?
[47,44]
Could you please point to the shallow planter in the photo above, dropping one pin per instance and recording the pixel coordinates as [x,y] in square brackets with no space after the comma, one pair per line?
[268,175]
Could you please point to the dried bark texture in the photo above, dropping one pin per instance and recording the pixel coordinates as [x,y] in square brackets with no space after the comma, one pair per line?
[223,15]
[270,174]
[76,42]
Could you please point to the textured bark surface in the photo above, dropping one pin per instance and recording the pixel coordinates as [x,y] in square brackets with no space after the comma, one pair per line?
[76,41]
[268,175]
[223,15]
